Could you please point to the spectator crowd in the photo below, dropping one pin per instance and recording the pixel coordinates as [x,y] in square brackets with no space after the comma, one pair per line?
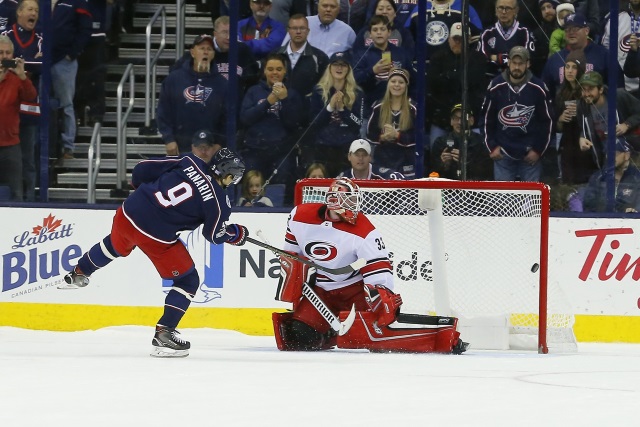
[329,87]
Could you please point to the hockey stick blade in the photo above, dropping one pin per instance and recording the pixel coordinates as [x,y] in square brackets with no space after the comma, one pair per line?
[354,266]
[348,322]
[340,327]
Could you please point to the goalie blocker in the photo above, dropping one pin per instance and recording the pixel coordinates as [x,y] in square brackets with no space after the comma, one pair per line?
[379,329]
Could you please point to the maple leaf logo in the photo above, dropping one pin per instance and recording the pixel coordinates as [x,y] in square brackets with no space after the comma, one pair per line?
[49,224]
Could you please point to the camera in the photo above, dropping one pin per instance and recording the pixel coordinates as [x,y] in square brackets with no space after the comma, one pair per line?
[9,63]
[450,143]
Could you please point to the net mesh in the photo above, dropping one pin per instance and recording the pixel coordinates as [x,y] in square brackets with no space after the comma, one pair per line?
[491,246]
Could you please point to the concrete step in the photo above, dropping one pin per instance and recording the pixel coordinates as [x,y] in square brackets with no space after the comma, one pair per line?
[139,87]
[105,164]
[138,69]
[141,39]
[150,8]
[140,53]
[112,132]
[103,195]
[112,103]
[79,178]
[190,23]
[153,150]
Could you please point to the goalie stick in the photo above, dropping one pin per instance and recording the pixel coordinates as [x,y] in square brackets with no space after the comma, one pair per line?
[340,327]
[354,266]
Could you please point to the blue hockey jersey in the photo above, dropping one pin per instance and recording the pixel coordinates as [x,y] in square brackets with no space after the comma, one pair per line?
[175,194]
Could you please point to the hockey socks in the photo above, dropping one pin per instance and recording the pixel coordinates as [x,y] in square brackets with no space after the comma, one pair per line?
[98,256]
[178,299]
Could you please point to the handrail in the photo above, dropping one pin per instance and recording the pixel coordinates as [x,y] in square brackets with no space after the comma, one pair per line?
[94,168]
[121,120]
[181,6]
[150,65]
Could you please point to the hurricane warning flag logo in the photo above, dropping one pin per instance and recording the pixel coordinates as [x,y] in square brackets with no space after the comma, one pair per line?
[516,116]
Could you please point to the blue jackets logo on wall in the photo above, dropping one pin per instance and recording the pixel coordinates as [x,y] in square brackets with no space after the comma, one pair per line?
[209,261]
[516,116]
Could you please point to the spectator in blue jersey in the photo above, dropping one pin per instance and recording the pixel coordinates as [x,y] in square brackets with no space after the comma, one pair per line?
[192,98]
[391,126]
[71,33]
[260,32]
[337,114]
[446,152]
[372,66]
[271,113]
[577,37]
[173,194]
[507,32]
[328,33]
[361,164]
[517,120]
[400,36]
[28,46]
[440,16]
[626,177]
[92,67]
[7,14]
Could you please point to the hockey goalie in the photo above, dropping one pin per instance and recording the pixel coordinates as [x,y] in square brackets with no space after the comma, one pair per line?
[334,234]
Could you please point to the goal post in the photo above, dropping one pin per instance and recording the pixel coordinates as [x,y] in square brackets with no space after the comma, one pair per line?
[477,250]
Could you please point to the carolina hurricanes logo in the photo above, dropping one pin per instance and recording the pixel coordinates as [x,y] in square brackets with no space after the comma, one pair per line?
[197,93]
[515,116]
[321,251]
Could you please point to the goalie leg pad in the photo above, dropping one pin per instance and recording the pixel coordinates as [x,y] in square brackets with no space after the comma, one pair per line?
[294,335]
[367,334]
[293,274]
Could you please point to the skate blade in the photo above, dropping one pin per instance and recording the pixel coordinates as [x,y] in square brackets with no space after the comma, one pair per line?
[67,286]
[167,352]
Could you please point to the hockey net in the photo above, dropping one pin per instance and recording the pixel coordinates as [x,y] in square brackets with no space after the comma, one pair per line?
[475,250]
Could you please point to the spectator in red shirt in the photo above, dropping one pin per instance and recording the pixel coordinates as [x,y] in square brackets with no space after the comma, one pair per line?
[15,88]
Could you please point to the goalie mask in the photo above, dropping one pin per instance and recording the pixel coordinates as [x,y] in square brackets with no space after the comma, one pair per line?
[226,162]
[345,199]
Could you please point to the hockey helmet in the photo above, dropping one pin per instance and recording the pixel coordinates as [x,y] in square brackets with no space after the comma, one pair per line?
[226,162]
[345,199]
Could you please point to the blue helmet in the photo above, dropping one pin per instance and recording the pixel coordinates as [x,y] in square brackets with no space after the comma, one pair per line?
[226,162]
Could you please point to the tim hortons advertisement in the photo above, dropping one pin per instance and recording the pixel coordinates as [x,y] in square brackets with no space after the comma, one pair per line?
[595,262]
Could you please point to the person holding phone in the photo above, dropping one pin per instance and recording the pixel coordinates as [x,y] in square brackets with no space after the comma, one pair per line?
[15,88]
[372,66]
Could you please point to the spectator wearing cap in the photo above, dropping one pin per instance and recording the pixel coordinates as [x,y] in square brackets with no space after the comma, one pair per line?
[507,32]
[444,82]
[626,178]
[306,63]
[446,154]
[328,33]
[400,36]
[391,127]
[577,37]
[542,34]
[192,97]
[590,9]
[372,66]
[361,164]
[557,40]
[517,120]
[576,166]
[203,145]
[592,115]
[628,26]
[336,115]
[260,32]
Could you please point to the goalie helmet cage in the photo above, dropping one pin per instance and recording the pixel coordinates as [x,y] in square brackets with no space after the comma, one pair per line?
[470,249]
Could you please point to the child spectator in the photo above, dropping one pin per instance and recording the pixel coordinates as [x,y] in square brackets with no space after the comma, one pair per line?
[557,41]
[253,191]
[316,170]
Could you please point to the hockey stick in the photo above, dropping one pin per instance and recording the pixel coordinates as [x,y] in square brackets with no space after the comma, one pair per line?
[354,266]
[340,327]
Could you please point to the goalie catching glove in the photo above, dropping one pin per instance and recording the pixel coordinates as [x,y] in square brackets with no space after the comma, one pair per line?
[237,234]
[383,303]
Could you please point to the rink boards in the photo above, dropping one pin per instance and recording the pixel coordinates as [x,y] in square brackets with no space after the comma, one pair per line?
[595,261]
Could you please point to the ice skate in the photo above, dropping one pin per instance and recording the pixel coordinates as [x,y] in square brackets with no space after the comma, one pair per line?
[74,280]
[166,343]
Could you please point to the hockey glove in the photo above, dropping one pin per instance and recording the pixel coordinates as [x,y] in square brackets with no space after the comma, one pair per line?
[383,302]
[237,234]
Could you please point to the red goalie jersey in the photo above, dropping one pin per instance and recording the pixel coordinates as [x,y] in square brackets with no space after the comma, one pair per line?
[336,244]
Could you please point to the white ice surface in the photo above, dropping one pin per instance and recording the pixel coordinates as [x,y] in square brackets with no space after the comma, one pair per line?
[107,378]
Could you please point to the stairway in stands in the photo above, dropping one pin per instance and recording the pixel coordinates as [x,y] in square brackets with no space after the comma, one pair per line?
[69,177]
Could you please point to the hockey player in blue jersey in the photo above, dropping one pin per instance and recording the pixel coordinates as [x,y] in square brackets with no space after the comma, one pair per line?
[173,194]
